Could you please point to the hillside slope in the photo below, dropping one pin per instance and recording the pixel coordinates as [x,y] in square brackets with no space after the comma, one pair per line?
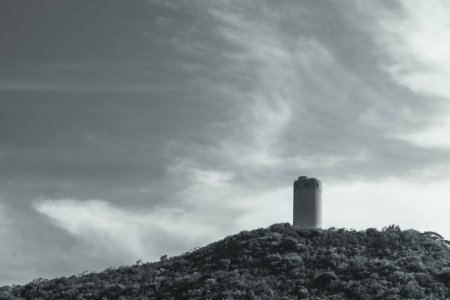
[279,262]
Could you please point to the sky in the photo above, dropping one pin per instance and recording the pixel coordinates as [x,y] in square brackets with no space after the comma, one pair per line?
[134,129]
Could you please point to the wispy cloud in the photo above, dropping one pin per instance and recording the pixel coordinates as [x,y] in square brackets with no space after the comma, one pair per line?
[125,234]
[417,44]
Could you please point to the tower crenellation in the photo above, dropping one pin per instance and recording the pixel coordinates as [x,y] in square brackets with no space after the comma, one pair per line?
[305,182]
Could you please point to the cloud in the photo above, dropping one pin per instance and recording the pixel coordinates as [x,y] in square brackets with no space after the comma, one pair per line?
[124,234]
[310,107]
[206,194]
[437,135]
[416,44]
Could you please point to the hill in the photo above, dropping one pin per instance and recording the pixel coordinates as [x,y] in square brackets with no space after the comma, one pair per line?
[279,262]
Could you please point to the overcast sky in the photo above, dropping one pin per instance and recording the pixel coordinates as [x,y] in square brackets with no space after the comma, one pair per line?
[133,129]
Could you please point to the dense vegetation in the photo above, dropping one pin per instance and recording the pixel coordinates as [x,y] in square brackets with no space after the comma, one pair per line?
[279,262]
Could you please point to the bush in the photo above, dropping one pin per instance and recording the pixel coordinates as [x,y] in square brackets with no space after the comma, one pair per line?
[280,262]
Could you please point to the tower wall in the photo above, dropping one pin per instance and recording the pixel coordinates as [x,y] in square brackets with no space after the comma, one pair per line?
[307,202]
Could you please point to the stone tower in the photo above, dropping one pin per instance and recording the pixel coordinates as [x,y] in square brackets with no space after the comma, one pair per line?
[307,202]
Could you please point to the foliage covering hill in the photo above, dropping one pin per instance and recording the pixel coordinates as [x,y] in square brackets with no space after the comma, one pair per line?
[280,262]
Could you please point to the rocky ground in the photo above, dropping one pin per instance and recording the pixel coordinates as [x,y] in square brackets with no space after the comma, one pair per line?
[279,262]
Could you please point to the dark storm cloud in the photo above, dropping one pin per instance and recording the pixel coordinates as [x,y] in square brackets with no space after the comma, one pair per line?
[186,111]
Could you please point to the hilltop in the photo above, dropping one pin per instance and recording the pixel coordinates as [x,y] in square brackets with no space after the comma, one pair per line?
[278,262]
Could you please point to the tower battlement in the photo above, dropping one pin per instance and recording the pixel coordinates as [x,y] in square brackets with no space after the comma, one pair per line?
[305,182]
[307,202]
